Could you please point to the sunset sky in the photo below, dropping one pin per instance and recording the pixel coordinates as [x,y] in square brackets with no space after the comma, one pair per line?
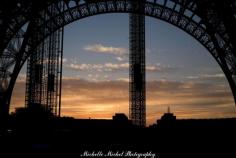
[180,72]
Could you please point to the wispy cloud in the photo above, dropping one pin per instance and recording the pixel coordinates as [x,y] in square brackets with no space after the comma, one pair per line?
[123,79]
[99,48]
[207,76]
[160,67]
[85,67]
[98,67]
[64,60]
[112,67]
[109,67]
[120,58]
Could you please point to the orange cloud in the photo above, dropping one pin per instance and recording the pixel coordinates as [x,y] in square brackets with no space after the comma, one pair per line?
[101,99]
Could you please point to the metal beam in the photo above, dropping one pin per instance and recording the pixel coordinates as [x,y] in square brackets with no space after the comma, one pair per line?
[137,66]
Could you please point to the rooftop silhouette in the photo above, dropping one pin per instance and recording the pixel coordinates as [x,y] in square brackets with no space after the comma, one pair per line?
[42,133]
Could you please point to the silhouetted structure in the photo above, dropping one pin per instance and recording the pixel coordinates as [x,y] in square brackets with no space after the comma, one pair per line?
[33,130]
[25,25]
[44,71]
[137,65]
[167,118]
[120,117]
[119,120]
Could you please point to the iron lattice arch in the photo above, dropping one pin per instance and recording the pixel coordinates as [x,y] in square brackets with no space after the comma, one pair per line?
[210,22]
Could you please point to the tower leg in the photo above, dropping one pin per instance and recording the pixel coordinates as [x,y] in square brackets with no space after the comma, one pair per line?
[137,67]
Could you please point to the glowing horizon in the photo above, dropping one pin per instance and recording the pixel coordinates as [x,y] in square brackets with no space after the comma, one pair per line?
[102,99]
[180,72]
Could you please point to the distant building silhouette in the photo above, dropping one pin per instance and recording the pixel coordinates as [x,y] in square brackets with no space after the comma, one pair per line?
[120,117]
[167,118]
[119,120]
[33,111]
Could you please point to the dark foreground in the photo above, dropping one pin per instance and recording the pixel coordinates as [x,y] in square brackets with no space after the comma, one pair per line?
[101,138]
